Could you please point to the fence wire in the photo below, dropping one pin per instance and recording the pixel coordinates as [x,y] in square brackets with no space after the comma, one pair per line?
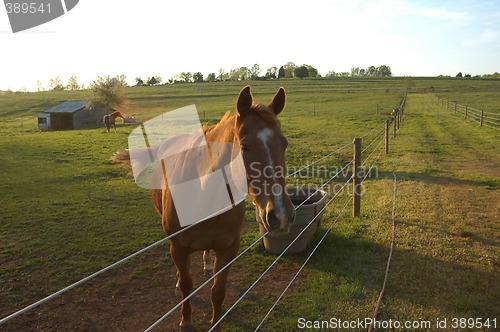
[78,283]
[303,265]
[277,258]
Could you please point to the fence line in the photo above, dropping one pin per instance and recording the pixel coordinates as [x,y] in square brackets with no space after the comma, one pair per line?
[483,118]
[319,242]
[398,116]
[303,265]
[277,258]
[241,254]
[236,258]
[317,245]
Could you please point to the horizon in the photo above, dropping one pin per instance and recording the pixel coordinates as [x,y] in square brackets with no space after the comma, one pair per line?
[85,86]
[165,39]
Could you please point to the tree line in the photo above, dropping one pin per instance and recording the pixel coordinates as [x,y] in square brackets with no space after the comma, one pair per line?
[288,70]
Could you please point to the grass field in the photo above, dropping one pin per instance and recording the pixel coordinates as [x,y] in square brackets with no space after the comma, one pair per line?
[68,211]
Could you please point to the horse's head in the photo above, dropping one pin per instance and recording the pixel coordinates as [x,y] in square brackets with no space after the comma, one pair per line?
[116,114]
[263,149]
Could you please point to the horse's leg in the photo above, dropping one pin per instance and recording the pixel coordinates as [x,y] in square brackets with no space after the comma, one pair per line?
[178,292]
[180,256]
[207,261]
[218,292]
[106,123]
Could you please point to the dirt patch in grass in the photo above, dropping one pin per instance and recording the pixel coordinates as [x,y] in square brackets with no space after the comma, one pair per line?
[136,294]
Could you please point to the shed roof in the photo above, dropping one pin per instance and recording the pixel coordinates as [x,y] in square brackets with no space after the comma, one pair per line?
[67,107]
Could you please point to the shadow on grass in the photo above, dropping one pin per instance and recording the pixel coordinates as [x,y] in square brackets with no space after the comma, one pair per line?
[438,177]
[352,269]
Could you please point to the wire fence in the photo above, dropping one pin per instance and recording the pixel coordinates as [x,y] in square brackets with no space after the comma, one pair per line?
[369,155]
[483,118]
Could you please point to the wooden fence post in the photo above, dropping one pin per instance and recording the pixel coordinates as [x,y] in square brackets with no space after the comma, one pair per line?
[481,119]
[465,112]
[356,183]
[398,117]
[386,136]
[455,107]
[377,109]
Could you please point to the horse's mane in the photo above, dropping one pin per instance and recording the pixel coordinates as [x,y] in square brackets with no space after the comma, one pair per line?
[222,121]
[264,112]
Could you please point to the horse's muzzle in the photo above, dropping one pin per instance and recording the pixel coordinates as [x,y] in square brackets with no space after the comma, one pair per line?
[277,222]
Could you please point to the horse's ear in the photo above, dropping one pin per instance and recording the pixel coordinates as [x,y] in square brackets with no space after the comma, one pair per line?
[245,101]
[278,102]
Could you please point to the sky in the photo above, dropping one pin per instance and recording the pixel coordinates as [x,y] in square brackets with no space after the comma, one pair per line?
[157,37]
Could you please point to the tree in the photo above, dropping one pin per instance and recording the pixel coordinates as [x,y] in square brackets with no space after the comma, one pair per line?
[371,71]
[289,69]
[186,76]
[152,81]
[384,71]
[198,77]
[234,74]
[459,74]
[139,81]
[211,77]
[55,84]
[272,72]
[73,83]
[122,80]
[281,72]
[223,75]
[312,72]
[301,72]
[106,92]
[331,74]
[254,72]
[39,86]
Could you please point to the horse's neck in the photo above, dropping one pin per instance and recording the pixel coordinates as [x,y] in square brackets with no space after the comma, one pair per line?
[224,131]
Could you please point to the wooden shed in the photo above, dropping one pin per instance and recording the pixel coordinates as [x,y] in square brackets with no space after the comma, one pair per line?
[70,115]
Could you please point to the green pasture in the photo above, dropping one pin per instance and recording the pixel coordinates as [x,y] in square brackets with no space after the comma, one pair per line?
[68,210]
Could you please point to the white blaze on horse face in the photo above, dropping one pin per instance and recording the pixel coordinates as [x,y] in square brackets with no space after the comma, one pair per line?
[265,135]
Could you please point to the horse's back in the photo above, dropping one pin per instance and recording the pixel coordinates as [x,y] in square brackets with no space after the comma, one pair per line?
[186,158]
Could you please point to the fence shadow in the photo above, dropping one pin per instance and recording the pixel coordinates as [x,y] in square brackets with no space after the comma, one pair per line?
[437,177]
[414,277]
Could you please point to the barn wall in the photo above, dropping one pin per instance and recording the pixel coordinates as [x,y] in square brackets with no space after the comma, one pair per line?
[86,118]
[43,121]
[61,121]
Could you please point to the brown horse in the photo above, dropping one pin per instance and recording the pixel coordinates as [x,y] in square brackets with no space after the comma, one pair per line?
[109,119]
[256,129]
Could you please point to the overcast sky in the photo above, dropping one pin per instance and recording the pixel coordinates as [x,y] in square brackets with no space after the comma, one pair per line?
[158,37]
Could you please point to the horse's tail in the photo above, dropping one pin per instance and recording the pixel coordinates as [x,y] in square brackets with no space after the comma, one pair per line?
[106,122]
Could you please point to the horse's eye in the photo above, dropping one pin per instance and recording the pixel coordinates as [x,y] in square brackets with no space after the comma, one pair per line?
[245,147]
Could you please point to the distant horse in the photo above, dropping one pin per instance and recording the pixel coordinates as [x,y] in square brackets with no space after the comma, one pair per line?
[256,129]
[109,119]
